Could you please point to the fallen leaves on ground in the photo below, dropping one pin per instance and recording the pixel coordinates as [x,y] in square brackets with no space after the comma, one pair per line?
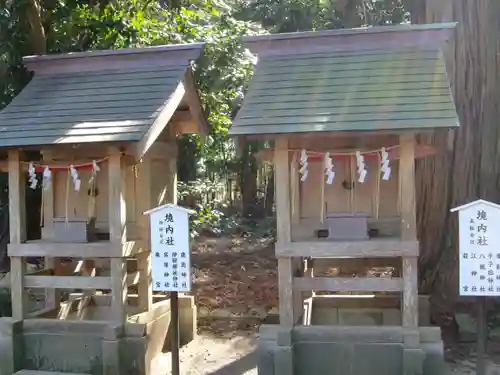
[235,274]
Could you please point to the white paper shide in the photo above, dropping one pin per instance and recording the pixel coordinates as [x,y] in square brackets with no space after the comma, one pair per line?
[171,263]
[479,245]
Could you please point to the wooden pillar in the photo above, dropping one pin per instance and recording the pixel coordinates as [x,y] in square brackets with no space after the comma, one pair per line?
[48,203]
[295,191]
[17,217]
[143,203]
[52,296]
[172,173]
[117,234]
[413,356]
[285,264]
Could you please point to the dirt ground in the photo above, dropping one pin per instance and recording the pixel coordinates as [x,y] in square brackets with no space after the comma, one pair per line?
[235,288]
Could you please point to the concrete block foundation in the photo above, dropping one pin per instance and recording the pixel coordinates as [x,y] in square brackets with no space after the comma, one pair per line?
[368,310]
[342,350]
[83,344]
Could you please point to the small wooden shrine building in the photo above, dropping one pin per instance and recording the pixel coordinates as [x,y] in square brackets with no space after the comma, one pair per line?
[104,124]
[344,109]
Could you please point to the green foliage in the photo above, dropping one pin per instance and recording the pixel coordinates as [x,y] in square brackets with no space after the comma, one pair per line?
[280,16]
[222,72]
[214,217]
[209,219]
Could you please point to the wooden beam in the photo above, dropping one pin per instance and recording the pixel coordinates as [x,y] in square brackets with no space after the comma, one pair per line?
[17,225]
[286,300]
[348,284]
[193,100]
[282,187]
[295,190]
[144,202]
[172,173]
[68,282]
[52,296]
[118,235]
[48,204]
[117,199]
[407,187]
[377,248]
[285,266]
[161,121]
[408,231]
[17,207]
[410,292]
[89,250]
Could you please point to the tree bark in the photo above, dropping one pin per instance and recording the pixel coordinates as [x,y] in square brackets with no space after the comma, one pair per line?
[37,36]
[470,171]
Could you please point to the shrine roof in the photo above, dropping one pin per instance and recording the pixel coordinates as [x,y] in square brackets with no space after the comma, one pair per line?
[380,78]
[103,96]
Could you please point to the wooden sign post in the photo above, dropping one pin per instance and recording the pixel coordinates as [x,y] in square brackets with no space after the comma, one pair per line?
[479,235]
[171,262]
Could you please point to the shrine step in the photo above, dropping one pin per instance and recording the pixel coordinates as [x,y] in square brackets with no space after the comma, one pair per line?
[36,372]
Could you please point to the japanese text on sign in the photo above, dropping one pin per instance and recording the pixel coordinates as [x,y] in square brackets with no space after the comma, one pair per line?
[171,264]
[479,249]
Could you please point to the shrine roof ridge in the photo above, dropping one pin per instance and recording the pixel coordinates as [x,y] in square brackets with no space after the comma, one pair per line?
[473,203]
[110,52]
[352,31]
[356,39]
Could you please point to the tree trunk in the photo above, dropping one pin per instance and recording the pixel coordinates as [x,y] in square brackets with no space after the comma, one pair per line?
[469,171]
[248,180]
[37,32]
[270,193]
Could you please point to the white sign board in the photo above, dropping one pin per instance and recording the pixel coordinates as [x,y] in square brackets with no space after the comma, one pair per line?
[170,253]
[479,235]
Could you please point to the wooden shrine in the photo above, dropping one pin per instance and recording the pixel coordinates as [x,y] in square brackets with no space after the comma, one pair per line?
[105,124]
[344,109]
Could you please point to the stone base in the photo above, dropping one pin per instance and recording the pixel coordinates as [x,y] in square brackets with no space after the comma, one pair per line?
[376,310]
[92,346]
[348,351]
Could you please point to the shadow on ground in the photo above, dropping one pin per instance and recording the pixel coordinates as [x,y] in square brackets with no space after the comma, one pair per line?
[240,366]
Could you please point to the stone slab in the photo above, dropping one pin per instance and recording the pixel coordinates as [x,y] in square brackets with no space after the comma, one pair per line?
[351,351]
[322,358]
[373,359]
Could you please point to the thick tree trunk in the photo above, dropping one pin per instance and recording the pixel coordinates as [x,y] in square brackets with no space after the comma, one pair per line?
[470,171]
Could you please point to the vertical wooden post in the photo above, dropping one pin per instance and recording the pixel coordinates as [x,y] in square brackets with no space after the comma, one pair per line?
[48,203]
[171,197]
[285,264]
[117,235]
[295,189]
[409,233]
[172,173]
[51,295]
[408,228]
[17,217]
[144,203]
[482,336]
